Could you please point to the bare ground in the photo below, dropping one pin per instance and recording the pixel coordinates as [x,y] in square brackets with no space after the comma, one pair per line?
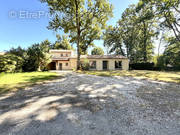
[90,105]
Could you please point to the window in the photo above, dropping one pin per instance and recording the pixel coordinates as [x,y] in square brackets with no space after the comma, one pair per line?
[92,64]
[66,64]
[61,54]
[66,55]
[118,64]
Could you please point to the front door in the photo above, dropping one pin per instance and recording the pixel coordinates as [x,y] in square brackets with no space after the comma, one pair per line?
[105,65]
[60,66]
[52,66]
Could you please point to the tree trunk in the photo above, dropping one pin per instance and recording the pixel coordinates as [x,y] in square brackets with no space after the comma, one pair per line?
[171,26]
[145,43]
[39,68]
[78,36]
[159,46]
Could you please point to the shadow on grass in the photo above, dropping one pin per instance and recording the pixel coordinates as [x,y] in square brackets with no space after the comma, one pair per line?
[32,80]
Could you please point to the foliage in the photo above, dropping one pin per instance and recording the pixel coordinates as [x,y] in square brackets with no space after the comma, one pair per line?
[15,81]
[172,53]
[133,35]
[142,66]
[18,52]
[10,63]
[85,64]
[160,62]
[113,40]
[83,20]
[62,43]
[167,12]
[97,51]
[38,57]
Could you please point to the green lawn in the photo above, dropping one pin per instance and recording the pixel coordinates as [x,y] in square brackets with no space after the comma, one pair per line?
[155,75]
[15,81]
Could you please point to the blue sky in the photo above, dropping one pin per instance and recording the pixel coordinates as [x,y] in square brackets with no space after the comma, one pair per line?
[18,30]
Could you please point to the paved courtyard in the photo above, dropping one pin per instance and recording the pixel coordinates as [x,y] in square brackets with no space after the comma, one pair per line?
[79,104]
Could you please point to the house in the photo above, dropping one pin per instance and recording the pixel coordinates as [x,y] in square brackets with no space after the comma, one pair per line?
[67,60]
[2,53]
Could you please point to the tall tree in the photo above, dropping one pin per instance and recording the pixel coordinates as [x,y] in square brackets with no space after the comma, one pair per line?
[172,53]
[113,40]
[18,52]
[168,12]
[147,22]
[133,35]
[82,19]
[38,56]
[130,32]
[97,51]
[10,63]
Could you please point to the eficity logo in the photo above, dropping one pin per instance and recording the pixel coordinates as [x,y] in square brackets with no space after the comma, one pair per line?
[23,14]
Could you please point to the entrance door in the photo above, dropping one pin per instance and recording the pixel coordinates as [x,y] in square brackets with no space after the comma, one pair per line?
[52,66]
[105,65]
[60,66]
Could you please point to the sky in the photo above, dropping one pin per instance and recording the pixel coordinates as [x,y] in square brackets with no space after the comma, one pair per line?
[24,22]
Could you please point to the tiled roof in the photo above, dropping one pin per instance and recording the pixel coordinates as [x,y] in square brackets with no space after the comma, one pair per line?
[82,56]
[106,57]
[91,57]
[55,58]
[102,57]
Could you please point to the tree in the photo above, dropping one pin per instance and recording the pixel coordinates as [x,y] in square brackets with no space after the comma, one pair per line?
[10,63]
[18,52]
[113,40]
[38,56]
[167,11]
[62,43]
[147,23]
[133,35]
[172,53]
[97,51]
[83,20]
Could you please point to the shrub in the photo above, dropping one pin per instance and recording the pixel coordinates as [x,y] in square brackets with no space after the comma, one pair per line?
[85,64]
[10,63]
[161,63]
[142,66]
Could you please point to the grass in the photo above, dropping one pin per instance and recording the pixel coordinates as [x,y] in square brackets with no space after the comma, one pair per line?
[15,81]
[155,75]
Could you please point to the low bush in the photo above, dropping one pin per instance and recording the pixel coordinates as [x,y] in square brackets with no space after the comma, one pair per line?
[10,63]
[142,66]
[85,64]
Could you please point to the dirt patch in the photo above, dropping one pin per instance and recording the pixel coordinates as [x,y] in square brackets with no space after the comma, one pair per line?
[165,99]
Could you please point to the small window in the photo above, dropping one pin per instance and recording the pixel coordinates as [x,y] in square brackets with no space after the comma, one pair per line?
[92,64]
[66,64]
[61,54]
[118,64]
[66,55]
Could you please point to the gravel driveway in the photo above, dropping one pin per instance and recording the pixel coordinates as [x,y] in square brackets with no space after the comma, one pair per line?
[80,104]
